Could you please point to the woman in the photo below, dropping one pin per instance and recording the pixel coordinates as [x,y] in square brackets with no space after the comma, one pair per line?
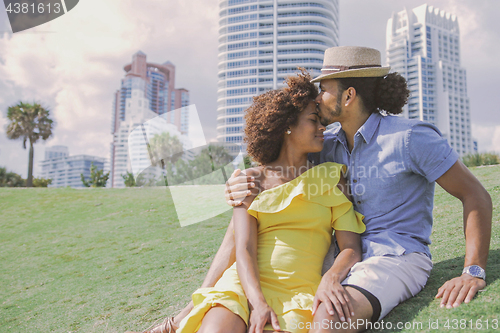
[282,231]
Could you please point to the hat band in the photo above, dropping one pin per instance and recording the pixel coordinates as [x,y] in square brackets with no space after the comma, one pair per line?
[345,68]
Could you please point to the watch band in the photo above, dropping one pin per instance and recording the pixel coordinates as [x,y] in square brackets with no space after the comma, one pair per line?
[475,271]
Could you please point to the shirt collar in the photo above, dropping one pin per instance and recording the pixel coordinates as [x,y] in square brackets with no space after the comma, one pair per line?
[367,130]
[370,126]
[337,134]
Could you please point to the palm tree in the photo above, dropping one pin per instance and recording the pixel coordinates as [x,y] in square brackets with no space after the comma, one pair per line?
[29,122]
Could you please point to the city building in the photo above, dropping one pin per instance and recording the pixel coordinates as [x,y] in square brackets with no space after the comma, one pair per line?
[423,45]
[56,152]
[158,85]
[134,134]
[260,43]
[65,170]
[147,91]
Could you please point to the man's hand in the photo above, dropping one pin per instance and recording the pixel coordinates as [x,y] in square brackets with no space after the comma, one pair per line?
[333,295]
[238,188]
[260,316]
[458,290]
[478,209]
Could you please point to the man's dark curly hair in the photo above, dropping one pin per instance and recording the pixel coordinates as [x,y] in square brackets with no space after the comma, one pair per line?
[272,113]
[388,93]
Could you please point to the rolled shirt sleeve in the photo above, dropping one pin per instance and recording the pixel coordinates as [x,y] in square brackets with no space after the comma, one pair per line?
[428,152]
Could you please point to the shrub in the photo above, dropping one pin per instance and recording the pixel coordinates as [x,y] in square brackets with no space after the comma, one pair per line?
[11,179]
[41,182]
[478,159]
[128,179]
[97,177]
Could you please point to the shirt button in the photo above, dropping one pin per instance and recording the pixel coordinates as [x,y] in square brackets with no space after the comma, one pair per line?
[359,202]
[354,181]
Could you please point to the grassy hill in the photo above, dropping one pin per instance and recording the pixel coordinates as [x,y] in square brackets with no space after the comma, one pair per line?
[108,260]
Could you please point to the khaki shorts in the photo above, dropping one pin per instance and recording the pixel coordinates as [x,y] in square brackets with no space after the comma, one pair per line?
[391,279]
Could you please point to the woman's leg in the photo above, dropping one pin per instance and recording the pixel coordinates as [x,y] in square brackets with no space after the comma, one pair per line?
[184,312]
[362,308]
[221,320]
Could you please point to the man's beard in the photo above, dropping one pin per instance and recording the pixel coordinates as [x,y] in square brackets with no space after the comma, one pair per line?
[338,109]
[333,115]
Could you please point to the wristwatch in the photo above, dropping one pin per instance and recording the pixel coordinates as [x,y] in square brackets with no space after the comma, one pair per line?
[475,271]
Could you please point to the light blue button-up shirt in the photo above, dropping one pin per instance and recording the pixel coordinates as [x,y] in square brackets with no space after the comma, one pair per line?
[391,171]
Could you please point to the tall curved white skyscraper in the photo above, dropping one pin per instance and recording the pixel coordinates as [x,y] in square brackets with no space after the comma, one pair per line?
[260,43]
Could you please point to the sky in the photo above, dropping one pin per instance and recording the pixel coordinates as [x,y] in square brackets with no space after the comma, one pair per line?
[74,64]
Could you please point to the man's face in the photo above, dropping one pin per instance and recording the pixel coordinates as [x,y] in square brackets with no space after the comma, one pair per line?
[329,101]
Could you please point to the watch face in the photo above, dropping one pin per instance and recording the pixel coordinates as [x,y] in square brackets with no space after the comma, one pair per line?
[475,271]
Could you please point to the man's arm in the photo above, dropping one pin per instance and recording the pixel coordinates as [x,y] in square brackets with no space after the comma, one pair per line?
[224,258]
[477,206]
[238,187]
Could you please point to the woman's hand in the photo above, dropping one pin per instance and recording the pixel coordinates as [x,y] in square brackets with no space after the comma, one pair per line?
[260,316]
[334,296]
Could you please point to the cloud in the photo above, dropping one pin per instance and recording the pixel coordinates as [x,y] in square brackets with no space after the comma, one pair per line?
[74,64]
[479,39]
[488,137]
[480,47]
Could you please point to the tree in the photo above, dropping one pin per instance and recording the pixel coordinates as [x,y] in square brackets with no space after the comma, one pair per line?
[29,122]
[97,177]
[11,179]
[164,148]
[200,169]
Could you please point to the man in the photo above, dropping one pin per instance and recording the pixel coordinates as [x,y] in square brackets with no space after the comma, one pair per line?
[393,164]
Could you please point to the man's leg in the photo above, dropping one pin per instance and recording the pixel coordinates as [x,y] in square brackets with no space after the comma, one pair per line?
[224,258]
[382,282]
[323,322]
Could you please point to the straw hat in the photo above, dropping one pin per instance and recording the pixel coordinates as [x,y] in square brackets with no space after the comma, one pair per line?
[351,61]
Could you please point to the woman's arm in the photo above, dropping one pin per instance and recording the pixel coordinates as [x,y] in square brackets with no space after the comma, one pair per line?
[330,291]
[245,232]
[248,272]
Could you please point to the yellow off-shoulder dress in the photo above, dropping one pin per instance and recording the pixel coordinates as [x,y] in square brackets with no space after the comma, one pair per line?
[295,222]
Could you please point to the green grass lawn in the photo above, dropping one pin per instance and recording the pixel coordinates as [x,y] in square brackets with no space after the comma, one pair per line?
[109,260]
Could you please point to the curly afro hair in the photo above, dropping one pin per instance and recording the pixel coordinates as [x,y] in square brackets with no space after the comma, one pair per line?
[272,113]
[389,93]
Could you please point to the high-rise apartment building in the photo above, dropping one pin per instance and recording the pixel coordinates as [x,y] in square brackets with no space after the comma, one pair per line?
[158,84]
[260,43]
[147,91]
[56,152]
[423,45]
[65,170]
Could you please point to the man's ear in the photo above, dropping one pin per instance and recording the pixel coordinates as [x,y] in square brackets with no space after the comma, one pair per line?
[350,95]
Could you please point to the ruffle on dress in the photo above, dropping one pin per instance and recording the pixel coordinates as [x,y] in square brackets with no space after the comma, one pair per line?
[298,202]
[317,185]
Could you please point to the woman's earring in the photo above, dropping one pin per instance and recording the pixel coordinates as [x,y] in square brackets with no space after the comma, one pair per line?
[288,132]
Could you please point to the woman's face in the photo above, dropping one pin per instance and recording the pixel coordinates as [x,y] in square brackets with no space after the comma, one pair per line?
[307,134]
